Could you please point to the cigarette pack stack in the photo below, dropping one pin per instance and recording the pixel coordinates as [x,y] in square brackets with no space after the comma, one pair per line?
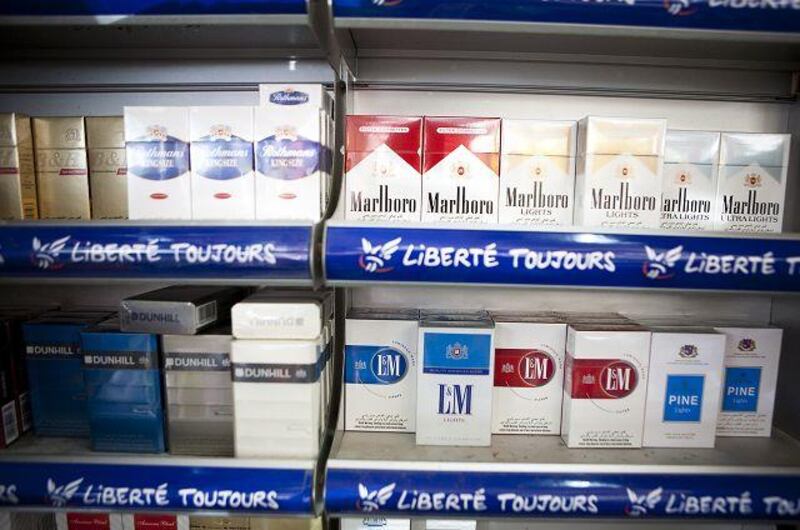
[280,382]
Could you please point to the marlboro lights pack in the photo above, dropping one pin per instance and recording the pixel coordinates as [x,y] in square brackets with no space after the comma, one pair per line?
[383,168]
[528,373]
[223,184]
[461,166]
[605,384]
[157,150]
[753,169]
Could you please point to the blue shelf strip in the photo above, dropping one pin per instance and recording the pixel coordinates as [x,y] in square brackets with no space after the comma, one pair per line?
[151,7]
[133,251]
[734,15]
[156,487]
[561,495]
[571,259]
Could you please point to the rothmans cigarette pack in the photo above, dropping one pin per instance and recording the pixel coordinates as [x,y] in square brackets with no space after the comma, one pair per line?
[199,392]
[62,178]
[282,314]
[179,310]
[751,375]
[684,387]
[454,380]
[18,198]
[55,371]
[619,172]
[292,160]
[88,521]
[689,188]
[223,179]
[528,374]
[122,374]
[381,370]
[277,392]
[751,195]
[154,521]
[157,150]
[461,165]
[383,165]
[537,172]
[108,172]
[605,384]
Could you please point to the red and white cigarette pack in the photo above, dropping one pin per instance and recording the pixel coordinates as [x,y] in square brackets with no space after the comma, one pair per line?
[605,385]
[154,521]
[383,166]
[528,373]
[461,170]
[88,521]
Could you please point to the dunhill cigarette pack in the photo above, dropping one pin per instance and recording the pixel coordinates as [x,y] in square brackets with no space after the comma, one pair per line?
[178,310]
[199,392]
[18,198]
[108,173]
[55,372]
[62,177]
[123,384]
[280,314]
[157,147]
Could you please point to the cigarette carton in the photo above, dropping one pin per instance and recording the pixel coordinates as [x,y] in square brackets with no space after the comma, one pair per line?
[751,375]
[689,188]
[383,180]
[178,310]
[381,370]
[752,182]
[62,179]
[157,150]
[528,374]
[123,384]
[17,176]
[280,314]
[537,172]
[454,381]
[683,389]
[55,373]
[108,172]
[605,384]
[461,165]
[291,159]
[223,181]
[199,392]
[619,172]
[277,390]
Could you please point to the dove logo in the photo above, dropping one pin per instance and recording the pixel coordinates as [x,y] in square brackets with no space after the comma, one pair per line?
[679,8]
[373,500]
[44,255]
[640,504]
[61,495]
[660,265]
[375,257]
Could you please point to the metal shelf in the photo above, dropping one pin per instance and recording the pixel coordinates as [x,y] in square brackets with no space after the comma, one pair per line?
[537,476]
[61,473]
[247,252]
[364,254]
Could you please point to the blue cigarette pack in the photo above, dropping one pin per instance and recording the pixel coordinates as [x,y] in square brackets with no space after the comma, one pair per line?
[123,384]
[55,374]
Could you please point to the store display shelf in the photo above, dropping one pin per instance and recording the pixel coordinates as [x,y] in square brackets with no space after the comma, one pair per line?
[62,473]
[537,476]
[195,252]
[362,254]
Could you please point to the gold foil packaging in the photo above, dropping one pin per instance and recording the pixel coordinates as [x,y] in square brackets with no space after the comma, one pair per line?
[17,176]
[105,139]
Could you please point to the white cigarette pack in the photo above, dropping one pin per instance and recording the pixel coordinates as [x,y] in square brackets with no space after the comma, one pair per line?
[605,384]
[537,172]
[380,359]
[751,375]
[282,314]
[454,381]
[528,374]
[684,386]
[619,172]
[223,180]
[157,152]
